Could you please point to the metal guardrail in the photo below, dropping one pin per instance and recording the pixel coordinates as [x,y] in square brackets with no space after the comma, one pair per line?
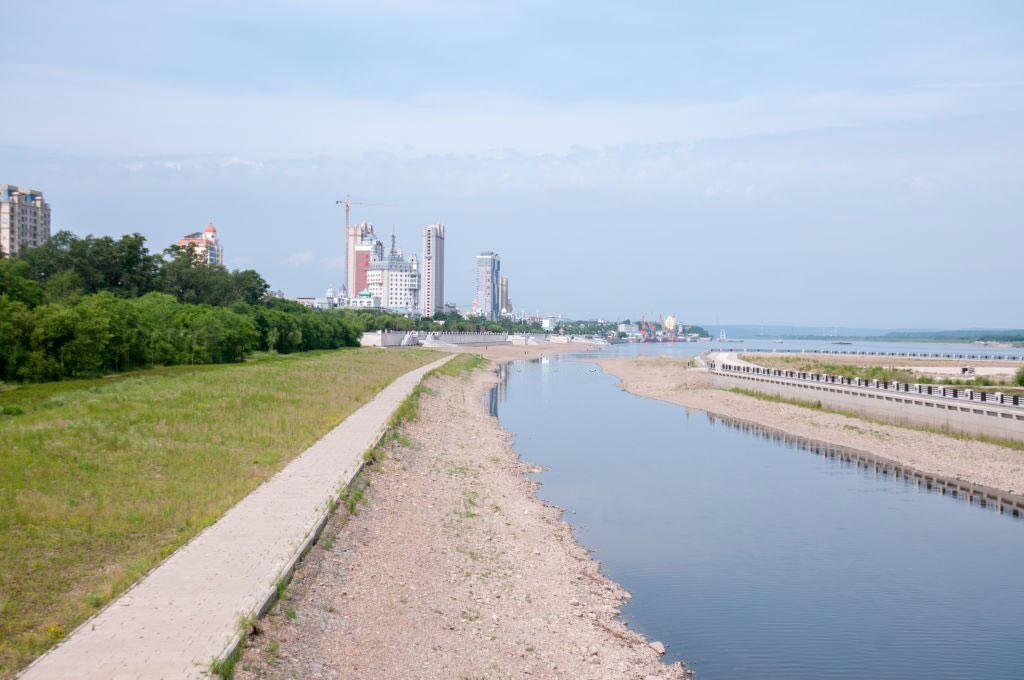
[960,394]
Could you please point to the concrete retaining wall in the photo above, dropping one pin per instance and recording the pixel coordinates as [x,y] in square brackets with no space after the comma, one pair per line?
[463,338]
[902,408]
[384,339]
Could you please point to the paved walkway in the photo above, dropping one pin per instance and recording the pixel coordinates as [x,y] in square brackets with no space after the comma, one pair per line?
[186,611]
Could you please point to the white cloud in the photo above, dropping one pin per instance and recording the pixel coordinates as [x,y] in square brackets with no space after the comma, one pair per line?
[137,118]
[332,263]
[298,259]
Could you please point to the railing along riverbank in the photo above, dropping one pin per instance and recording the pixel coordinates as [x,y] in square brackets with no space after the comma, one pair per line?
[878,353]
[942,391]
[949,409]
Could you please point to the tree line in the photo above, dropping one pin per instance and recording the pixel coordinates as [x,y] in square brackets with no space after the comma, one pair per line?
[85,306]
[76,307]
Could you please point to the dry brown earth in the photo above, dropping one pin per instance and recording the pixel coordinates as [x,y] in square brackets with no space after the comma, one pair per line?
[452,569]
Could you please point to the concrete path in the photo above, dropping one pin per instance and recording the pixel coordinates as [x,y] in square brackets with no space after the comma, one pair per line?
[184,613]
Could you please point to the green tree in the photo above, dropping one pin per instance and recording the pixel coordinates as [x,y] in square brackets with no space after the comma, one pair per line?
[16,284]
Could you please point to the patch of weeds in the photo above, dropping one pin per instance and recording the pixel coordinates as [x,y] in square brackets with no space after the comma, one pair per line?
[462,365]
[531,649]
[11,410]
[94,599]
[470,615]
[273,650]
[225,668]
[281,587]
[327,541]
[469,553]
[469,501]
[290,614]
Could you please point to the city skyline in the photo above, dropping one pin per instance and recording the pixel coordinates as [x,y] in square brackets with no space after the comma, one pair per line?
[757,150]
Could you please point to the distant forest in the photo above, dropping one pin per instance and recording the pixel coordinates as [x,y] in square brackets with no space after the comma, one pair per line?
[967,335]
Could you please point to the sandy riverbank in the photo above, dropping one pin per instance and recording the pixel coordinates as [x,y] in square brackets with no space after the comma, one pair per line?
[452,569]
[981,463]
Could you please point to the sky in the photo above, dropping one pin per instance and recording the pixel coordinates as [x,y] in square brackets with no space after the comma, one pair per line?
[828,164]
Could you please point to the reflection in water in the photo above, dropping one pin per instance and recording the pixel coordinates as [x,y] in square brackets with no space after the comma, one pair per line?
[982,496]
[967,492]
[497,393]
[750,563]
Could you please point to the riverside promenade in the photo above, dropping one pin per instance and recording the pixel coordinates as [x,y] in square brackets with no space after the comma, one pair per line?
[186,612]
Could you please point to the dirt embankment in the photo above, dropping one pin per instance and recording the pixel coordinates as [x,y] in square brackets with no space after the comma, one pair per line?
[453,568]
[982,463]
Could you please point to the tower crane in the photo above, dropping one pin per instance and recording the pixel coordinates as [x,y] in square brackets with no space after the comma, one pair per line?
[348,203]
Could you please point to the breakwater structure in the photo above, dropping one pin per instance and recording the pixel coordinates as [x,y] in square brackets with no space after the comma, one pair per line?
[950,409]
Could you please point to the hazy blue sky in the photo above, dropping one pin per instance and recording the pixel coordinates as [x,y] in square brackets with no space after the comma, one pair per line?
[826,163]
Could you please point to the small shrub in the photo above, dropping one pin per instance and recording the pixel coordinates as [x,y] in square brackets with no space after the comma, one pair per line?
[1018,378]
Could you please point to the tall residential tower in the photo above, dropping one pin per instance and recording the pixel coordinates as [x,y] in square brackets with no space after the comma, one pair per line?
[205,244]
[433,270]
[359,242]
[504,301]
[24,219]
[488,275]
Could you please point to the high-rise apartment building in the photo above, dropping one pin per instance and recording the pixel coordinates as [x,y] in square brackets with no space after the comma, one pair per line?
[394,279]
[359,245]
[433,270]
[24,219]
[504,301]
[206,246]
[488,274]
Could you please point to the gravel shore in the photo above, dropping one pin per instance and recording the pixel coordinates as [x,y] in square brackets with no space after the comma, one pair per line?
[452,568]
[981,463]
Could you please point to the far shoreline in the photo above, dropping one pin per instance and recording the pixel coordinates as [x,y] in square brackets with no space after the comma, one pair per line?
[984,465]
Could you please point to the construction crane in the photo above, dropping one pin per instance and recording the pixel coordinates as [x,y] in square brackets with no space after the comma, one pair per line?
[348,203]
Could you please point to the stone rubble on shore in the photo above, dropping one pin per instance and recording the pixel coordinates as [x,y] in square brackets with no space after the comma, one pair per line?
[453,568]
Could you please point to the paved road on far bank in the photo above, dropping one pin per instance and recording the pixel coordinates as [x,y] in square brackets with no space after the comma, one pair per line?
[174,621]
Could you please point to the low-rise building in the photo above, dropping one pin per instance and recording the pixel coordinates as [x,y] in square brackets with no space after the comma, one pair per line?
[364,300]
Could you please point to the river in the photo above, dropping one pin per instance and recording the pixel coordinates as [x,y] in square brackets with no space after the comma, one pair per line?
[749,556]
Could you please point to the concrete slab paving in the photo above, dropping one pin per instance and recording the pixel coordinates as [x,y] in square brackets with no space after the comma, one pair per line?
[185,612]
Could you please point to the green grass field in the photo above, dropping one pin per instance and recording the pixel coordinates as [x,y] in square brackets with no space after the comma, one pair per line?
[102,479]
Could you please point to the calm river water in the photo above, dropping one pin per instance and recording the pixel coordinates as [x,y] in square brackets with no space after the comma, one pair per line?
[751,558]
